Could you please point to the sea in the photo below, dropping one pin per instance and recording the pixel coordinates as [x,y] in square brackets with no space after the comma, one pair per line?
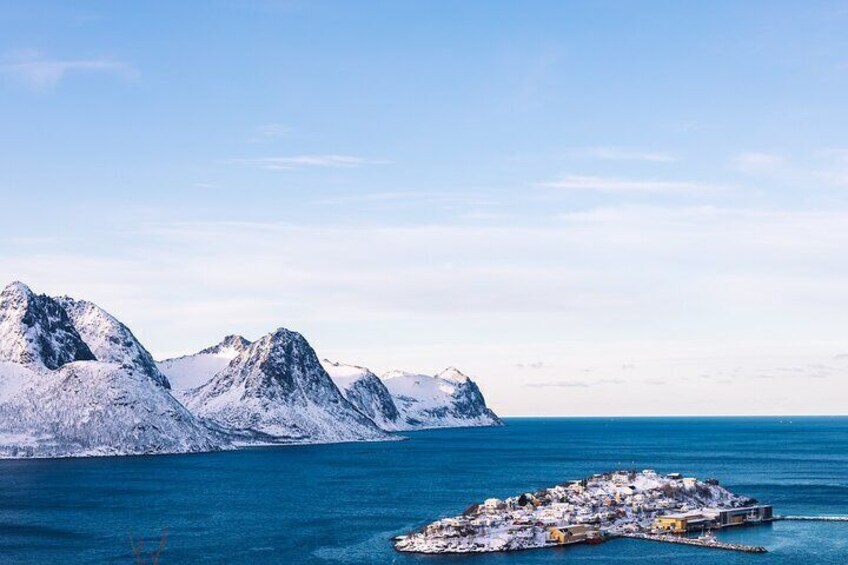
[343,503]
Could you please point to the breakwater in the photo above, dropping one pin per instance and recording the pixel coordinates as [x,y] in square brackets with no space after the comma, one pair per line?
[711,543]
[814,518]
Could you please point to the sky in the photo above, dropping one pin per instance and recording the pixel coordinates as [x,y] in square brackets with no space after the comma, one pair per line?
[592,208]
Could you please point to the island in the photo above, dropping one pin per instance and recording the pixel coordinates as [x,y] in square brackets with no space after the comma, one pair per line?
[635,504]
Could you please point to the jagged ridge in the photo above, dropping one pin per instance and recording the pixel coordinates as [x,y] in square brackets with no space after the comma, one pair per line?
[191,371]
[35,330]
[276,390]
[59,398]
[448,399]
[367,393]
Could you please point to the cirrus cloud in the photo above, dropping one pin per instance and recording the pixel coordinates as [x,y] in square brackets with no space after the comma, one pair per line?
[615,185]
[43,73]
[305,161]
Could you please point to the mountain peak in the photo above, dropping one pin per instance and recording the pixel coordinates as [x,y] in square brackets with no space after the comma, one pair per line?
[279,344]
[35,330]
[232,345]
[453,374]
[191,371]
[366,392]
[345,375]
[17,287]
[449,399]
[278,389]
[398,373]
[109,339]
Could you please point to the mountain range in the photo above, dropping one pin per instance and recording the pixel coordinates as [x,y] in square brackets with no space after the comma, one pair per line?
[75,381]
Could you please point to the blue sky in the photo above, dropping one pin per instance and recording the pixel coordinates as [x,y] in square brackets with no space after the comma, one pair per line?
[564,199]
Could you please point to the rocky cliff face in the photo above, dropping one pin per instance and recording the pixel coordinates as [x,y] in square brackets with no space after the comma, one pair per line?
[35,330]
[191,371]
[75,382]
[367,393]
[448,399]
[229,347]
[109,340]
[277,391]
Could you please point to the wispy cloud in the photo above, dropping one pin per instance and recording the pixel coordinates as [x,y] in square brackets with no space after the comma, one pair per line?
[757,163]
[690,126]
[614,185]
[835,168]
[575,384]
[711,276]
[533,365]
[269,132]
[559,384]
[305,161]
[624,154]
[42,73]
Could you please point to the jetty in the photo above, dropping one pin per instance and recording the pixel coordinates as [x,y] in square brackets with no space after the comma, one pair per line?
[708,542]
[813,518]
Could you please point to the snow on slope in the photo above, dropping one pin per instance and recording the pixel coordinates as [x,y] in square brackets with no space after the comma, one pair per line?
[191,371]
[88,408]
[277,391]
[110,340]
[366,392]
[35,330]
[449,399]
[75,381]
[56,400]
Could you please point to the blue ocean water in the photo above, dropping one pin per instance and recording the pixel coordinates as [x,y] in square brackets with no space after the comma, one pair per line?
[342,503]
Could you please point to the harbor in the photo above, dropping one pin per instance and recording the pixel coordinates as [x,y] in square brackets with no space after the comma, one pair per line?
[646,505]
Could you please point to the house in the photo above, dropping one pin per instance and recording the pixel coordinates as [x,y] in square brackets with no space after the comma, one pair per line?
[682,523]
[492,504]
[561,535]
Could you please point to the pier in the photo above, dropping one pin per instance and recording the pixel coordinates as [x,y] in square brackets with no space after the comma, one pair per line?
[711,543]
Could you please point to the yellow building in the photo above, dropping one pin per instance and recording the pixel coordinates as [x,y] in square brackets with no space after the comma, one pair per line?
[568,534]
[675,523]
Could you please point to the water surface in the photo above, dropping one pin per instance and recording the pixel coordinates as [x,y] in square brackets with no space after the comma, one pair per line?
[342,503]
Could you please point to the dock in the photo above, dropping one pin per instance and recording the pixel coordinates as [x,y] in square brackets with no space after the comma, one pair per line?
[711,543]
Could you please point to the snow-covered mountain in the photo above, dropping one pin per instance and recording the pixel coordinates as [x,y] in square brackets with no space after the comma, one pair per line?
[276,391]
[191,371]
[449,399]
[88,408]
[36,331]
[403,401]
[367,393]
[110,340]
[74,382]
